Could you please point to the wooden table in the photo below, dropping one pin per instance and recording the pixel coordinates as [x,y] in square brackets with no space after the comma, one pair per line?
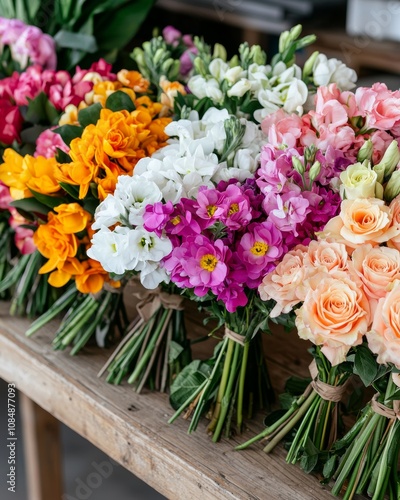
[132,429]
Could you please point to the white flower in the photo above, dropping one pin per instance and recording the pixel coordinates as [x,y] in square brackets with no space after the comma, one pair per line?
[135,193]
[109,212]
[148,246]
[232,75]
[197,86]
[218,68]
[240,88]
[327,71]
[296,96]
[112,250]
[151,274]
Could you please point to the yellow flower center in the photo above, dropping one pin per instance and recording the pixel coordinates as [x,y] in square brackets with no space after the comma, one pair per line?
[176,220]
[233,209]
[259,248]
[211,210]
[208,262]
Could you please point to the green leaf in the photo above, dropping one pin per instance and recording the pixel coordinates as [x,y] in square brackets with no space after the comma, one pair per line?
[330,467]
[49,201]
[175,350]
[78,41]
[30,205]
[89,115]
[119,101]
[30,134]
[365,365]
[309,459]
[71,190]
[117,30]
[186,383]
[62,156]
[69,132]
[41,110]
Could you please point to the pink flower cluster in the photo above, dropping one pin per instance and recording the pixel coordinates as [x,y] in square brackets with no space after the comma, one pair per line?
[300,204]
[28,44]
[59,86]
[174,37]
[47,144]
[342,120]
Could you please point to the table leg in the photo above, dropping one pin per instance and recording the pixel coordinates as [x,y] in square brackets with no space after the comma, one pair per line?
[41,436]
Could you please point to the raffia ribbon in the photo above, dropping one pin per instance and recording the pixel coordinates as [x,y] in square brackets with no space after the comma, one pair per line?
[385,411]
[236,337]
[328,392]
[151,300]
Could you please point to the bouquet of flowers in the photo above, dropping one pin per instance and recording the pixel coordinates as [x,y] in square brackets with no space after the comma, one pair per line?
[103,142]
[333,284]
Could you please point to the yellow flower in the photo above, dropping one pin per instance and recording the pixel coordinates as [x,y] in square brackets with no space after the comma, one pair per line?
[54,244]
[102,90]
[133,80]
[144,103]
[70,116]
[72,217]
[41,174]
[13,172]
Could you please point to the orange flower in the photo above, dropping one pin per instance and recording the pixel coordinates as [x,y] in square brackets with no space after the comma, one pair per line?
[72,217]
[67,270]
[103,89]
[144,103]
[133,80]
[106,185]
[170,91]
[54,244]
[13,172]
[41,173]
[92,277]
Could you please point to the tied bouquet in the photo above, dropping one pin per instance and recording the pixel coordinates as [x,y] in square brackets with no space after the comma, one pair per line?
[333,286]
[195,231]
[104,140]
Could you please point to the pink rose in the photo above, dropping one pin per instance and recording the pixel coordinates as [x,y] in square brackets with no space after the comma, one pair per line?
[363,220]
[377,267]
[284,283]
[282,128]
[36,47]
[335,314]
[11,122]
[384,337]
[379,105]
[5,197]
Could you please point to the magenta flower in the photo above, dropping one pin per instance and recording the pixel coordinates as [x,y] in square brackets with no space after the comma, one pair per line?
[259,249]
[210,204]
[237,209]
[182,221]
[171,35]
[47,144]
[233,296]
[205,263]
[5,197]
[156,216]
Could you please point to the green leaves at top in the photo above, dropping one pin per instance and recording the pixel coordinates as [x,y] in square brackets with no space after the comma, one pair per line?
[119,101]
[49,201]
[77,41]
[41,110]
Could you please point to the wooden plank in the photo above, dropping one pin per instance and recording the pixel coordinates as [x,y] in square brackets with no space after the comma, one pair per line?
[41,436]
[132,429]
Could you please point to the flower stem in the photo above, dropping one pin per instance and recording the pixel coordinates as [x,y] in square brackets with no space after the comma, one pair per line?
[242,379]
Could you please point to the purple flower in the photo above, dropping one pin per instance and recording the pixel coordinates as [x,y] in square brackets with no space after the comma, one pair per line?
[233,296]
[290,210]
[186,60]
[259,249]
[172,35]
[156,216]
[182,221]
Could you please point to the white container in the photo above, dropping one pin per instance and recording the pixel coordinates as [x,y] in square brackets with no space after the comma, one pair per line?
[377,19]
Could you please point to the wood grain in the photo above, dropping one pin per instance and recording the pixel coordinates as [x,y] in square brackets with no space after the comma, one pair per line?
[132,429]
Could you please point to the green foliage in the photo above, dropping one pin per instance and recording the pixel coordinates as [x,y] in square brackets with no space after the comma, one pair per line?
[118,101]
[84,30]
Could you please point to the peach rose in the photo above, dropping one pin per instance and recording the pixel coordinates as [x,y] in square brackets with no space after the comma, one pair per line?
[377,268]
[384,337]
[326,255]
[284,283]
[395,208]
[335,314]
[366,220]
